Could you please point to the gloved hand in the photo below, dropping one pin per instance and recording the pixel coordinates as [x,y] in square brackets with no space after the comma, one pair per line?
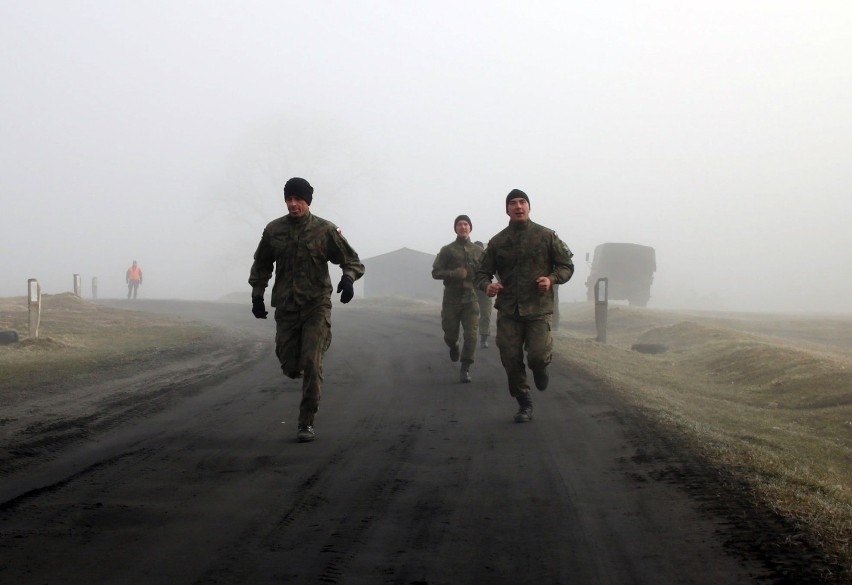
[258,309]
[345,289]
[460,272]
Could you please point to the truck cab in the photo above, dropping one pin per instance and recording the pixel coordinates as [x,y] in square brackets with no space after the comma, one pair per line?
[629,269]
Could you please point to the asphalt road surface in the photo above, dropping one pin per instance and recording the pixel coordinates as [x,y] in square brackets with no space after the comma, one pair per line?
[414,479]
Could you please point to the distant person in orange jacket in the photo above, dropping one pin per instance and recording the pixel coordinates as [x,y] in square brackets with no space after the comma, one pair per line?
[134,279]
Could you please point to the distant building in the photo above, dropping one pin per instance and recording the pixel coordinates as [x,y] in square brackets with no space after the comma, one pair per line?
[401,273]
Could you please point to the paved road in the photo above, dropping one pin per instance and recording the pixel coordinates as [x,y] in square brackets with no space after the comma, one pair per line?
[414,479]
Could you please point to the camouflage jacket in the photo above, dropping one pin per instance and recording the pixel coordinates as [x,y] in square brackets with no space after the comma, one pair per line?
[461,252]
[301,249]
[518,256]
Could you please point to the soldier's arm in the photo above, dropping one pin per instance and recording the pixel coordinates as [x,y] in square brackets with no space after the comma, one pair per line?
[261,269]
[563,265]
[344,255]
[485,271]
[440,271]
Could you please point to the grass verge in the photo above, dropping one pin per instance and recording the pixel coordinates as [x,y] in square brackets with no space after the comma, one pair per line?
[774,410]
[78,339]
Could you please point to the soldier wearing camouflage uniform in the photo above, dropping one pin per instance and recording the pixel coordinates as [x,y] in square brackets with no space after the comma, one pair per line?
[300,245]
[528,259]
[456,264]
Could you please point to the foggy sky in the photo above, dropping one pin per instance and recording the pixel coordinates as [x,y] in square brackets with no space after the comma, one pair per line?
[718,133]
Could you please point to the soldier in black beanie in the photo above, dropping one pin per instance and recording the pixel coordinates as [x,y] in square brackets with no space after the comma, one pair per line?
[529,260]
[302,290]
[517,193]
[456,264]
[299,187]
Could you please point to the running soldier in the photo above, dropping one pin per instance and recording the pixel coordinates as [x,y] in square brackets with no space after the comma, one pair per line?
[528,259]
[456,265]
[300,245]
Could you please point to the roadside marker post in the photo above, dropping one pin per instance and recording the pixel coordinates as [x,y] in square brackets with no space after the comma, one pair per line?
[601,306]
[34,304]
[95,288]
[78,285]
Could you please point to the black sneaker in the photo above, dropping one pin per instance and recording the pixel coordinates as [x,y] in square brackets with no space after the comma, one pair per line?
[464,375]
[484,344]
[305,434]
[541,378]
[454,353]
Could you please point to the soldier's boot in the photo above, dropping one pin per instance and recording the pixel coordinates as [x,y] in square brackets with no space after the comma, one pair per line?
[484,341]
[454,353]
[305,434]
[541,378]
[464,374]
[524,413]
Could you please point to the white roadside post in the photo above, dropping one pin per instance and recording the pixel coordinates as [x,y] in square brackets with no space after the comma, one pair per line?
[78,285]
[34,302]
[601,304]
[95,288]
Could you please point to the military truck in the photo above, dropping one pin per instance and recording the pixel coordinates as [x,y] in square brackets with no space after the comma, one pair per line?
[629,269]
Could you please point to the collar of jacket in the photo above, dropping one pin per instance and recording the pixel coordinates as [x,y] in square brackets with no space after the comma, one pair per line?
[520,225]
[299,220]
[462,240]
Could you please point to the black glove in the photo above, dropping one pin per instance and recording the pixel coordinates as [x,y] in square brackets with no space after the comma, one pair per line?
[345,289]
[258,309]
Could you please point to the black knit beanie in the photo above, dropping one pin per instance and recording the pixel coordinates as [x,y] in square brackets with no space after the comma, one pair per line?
[514,194]
[299,187]
[463,217]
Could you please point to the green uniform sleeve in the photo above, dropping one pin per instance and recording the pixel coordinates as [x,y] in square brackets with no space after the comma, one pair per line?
[342,254]
[440,270]
[261,269]
[563,265]
[486,270]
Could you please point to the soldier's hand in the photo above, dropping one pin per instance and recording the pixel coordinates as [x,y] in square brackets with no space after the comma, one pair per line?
[258,308]
[460,272]
[345,289]
[544,284]
[493,289]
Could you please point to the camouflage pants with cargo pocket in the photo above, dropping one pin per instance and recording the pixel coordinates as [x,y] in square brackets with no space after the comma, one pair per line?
[301,340]
[466,316]
[516,334]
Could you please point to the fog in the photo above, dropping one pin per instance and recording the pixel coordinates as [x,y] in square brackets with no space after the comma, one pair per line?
[719,133]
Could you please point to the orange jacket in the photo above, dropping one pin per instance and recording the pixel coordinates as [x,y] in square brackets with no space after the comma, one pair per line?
[134,274]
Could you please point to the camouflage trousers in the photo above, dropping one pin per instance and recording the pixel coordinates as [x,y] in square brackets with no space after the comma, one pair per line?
[301,340]
[485,307]
[514,335]
[466,317]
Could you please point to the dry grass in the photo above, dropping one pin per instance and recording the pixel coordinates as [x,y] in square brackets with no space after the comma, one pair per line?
[77,338]
[770,398]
